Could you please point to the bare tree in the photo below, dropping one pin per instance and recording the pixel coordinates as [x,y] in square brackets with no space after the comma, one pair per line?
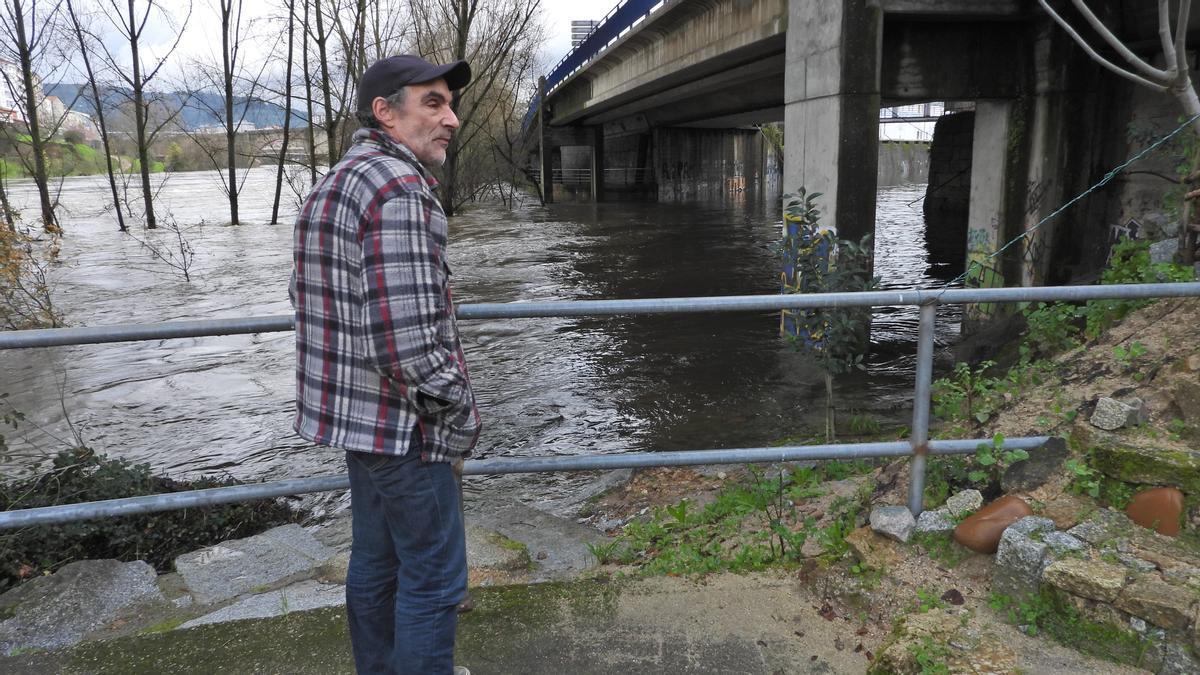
[130,21]
[287,110]
[29,30]
[87,42]
[240,86]
[497,38]
[1174,79]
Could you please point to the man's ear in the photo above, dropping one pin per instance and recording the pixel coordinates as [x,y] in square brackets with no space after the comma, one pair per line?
[382,111]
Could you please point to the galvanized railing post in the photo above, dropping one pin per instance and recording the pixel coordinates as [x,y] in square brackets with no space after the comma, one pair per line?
[921,397]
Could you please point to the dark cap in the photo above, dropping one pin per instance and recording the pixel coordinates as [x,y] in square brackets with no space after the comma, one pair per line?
[386,76]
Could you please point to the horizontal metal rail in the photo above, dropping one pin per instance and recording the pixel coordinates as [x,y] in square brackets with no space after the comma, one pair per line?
[65,513]
[918,446]
[51,337]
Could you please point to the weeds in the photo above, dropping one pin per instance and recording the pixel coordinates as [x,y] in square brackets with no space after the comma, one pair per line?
[1048,612]
[750,524]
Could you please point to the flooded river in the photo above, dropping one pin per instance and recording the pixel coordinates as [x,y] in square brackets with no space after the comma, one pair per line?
[546,386]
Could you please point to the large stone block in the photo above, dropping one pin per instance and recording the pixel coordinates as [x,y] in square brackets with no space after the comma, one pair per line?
[1092,579]
[1019,563]
[1153,466]
[1160,603]
[894,522]
[60,609]
[231,568]
[1043,463]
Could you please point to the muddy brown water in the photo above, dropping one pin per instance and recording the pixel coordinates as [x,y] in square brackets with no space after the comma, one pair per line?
[546,386]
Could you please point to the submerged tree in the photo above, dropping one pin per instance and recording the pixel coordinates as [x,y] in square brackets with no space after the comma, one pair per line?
[497,38]
[130,22]
[814,260]
[29,30]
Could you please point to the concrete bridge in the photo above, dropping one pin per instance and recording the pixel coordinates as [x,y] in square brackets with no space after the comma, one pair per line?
[668,93]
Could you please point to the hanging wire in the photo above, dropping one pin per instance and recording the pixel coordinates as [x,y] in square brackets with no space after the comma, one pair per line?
[1099,184]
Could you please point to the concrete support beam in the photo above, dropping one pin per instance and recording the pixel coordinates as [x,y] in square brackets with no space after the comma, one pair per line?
[831,112]
[598,164]
[545,151]
[987,214]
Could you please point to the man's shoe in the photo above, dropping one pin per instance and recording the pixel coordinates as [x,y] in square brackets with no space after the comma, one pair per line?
[459,670]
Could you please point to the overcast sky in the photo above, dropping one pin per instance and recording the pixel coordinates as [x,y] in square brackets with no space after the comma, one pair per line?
[198,40]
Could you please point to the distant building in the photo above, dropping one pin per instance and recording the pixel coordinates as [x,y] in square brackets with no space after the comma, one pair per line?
[580,30]
[11,91]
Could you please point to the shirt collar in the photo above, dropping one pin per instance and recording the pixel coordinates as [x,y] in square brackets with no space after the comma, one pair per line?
[387,144]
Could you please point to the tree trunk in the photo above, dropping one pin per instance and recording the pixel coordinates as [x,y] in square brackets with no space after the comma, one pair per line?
[140,113]
[108,163]
[308,102]
[35,132]
[287,113]
[326,85]
[6,207]
[230,124]
[830,435]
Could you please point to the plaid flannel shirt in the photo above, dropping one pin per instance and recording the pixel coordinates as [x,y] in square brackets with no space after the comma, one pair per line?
[377,346]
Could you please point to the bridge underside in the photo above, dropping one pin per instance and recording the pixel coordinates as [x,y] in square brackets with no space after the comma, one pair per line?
[824,70]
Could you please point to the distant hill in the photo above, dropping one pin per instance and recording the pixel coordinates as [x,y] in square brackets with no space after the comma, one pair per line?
[198,112]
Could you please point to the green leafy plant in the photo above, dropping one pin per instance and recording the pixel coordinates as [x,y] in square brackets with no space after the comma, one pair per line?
[1084,479]
[992,459]
[814,260]
[968,394]
[1129,263]
[1050,328]
[80,475]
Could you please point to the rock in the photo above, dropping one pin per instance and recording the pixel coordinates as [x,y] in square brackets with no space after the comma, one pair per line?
[59,610]
[1174,660]
[1158,509]
[894,522]
[1019,562]
[336,532]
[1105,524]
[871,549]
[492,550]
[936,520]
[231,568]
[1061,543]
[1196,629]
[558,547]
[334,570]
[1153,466]
[964,503]
[1031,526]
[981,531]
[1162,604]
[1163,251]
[1186,394]
[1111,414]
[299,597]
[1043,463]
[1135,563]
[1092,579]
[969,652]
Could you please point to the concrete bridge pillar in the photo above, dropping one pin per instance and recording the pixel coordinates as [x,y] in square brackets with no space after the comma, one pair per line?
[831,113]
[597,164]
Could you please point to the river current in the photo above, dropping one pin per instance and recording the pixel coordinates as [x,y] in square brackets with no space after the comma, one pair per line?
[223,405]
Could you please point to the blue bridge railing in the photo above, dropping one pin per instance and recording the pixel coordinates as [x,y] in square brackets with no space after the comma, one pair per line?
[620,18]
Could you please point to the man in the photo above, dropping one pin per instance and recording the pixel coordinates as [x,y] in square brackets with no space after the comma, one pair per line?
[379,369]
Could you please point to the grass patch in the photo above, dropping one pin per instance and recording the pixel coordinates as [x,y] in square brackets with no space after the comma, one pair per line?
[941,547]
[1050,613]
[751,524]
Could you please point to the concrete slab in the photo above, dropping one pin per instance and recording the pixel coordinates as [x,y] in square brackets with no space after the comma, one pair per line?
[61,609]
[231,568]
[300,597]
[557,547]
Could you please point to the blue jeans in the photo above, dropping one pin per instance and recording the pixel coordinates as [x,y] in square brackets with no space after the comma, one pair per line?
[408,564]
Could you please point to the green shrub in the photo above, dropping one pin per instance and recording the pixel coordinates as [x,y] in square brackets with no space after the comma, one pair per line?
[80,475]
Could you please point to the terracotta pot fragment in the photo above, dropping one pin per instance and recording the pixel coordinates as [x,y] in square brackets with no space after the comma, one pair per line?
[1158,509]
[981,531]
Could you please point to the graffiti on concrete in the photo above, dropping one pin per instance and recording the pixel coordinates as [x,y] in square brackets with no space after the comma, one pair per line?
[1035,195]
[979,240]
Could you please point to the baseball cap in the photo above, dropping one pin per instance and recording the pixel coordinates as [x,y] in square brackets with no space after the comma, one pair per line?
[386,76]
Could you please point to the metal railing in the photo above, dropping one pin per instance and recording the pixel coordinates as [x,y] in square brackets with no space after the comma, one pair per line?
[918,446]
